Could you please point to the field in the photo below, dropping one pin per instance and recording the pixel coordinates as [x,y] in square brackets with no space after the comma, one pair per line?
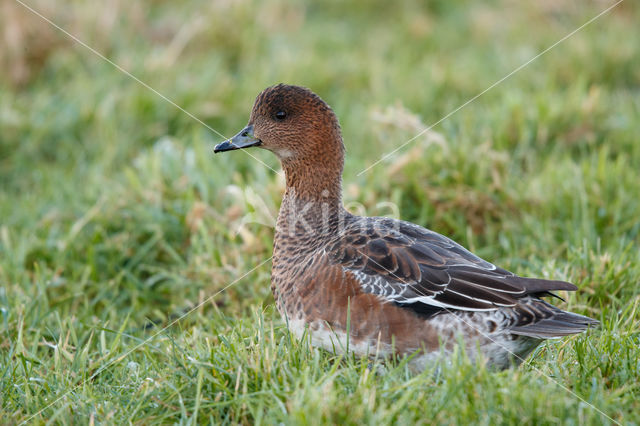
[116,219]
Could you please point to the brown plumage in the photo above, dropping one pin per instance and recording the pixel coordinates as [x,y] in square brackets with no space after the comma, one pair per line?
[381,285]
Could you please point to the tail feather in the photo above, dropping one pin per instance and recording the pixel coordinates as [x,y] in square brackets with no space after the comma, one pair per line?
[562,323]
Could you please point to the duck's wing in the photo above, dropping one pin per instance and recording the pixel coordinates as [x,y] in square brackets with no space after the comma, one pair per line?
[421,269]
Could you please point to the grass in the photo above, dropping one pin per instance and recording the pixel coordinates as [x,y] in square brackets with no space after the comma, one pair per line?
[115,213]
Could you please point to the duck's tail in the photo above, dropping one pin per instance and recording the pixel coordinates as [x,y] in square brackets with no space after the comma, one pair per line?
[560,323]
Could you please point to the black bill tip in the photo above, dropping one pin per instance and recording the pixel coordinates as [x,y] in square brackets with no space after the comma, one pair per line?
[224,146]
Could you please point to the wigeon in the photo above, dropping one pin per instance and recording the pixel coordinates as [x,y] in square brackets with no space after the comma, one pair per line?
[380,286]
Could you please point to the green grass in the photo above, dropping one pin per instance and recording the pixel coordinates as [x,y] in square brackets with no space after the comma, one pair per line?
[114,211]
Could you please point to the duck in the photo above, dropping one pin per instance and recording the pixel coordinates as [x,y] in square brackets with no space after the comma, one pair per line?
[378,286]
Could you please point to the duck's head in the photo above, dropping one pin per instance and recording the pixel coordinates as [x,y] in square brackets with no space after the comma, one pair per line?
[296,125]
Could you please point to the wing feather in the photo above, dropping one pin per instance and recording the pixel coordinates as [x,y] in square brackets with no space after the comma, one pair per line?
[411,265]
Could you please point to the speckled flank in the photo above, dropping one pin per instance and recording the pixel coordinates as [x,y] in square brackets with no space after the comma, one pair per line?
[387,286]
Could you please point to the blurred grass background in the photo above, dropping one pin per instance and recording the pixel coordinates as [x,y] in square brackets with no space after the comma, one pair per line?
[114,211]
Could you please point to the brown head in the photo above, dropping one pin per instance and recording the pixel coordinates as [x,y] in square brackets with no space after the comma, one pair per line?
[302,130]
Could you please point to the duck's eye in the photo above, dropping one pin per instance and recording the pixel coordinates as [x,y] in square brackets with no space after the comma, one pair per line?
[281,115]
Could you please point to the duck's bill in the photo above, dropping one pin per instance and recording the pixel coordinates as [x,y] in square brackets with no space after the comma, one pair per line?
[244,139]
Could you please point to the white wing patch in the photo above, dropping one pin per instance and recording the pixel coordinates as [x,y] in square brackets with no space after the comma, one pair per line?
[397,292]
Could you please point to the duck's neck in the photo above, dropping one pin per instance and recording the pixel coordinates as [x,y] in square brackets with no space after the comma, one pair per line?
[314,182]
[312,203]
